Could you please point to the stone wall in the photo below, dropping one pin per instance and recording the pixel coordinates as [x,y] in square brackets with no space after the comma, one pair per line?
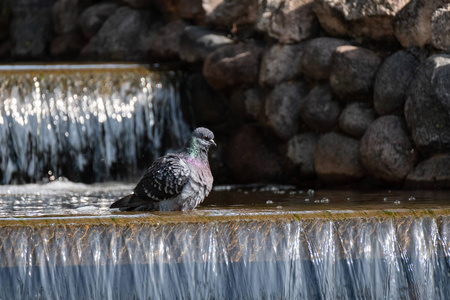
[297,91]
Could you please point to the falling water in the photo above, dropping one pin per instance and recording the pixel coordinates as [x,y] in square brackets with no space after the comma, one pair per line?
[85,122]
[228,256]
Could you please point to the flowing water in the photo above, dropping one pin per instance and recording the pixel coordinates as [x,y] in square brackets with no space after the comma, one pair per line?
[93,123]
[85,122]
[60,241]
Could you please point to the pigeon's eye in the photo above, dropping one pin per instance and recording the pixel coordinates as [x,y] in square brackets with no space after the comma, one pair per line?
[204,137]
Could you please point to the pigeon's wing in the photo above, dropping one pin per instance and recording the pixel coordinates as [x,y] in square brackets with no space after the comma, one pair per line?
[164,180]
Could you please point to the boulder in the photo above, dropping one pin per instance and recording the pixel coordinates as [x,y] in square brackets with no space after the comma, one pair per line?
[253,156]
[392,82]
[66,13]
[231,12]
[248,104]
[31,28]
[280,63]
[316,58]
[166,43]
[300,152]
[356,118]
[319,110]
[433,172]
[124,36]
[440,28]
[232,65]
[427,107]
[358,18]
[197,42]
[139,3]
[336,158]
[387,151]
[412,24]
[353,71]
[283,108]
[288,21]
[93,17]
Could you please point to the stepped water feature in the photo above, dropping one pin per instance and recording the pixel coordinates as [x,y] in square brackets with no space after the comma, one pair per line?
[85,122]
[60,240]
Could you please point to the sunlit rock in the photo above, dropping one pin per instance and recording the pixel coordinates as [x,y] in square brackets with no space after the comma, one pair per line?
[288,21]
[316,57]
[412,25]
[353,71]
[358,18]
[440,28]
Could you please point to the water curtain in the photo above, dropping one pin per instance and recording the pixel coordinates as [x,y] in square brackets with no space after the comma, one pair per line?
[86,122]
[403,255]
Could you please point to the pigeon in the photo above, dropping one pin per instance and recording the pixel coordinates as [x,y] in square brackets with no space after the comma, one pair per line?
[175,181]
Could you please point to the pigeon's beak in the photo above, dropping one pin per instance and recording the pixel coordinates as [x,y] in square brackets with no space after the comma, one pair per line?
[213,143]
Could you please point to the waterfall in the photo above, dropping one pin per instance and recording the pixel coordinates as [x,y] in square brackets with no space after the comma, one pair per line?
[224,256]
[85,122]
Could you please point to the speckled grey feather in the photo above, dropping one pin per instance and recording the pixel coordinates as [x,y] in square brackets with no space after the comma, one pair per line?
[179,181]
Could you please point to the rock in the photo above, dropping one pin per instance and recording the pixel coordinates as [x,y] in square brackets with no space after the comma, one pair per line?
[392,82]
[248,104]
[229,12]
[194,9]
[280,63]
[31,28]
[166,43]
[207,106]
[124,36]
[386,150]
[336,158]
[66,13]
[356,118]
[316,58]
[233,65]
[253,157]
[93,17]
[412,24]
[353,71]
[358,18]
[254,103]
[431,173]
[283,107]
[319,111]
[300,151]
[139,3]
[197,42]
[288,21]
[67,45]
[440,28]
[427,107]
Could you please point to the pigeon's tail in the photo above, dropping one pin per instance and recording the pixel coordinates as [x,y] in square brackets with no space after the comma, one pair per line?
[132,202]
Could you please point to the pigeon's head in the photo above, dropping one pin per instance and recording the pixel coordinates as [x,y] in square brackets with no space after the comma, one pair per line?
[203,137]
